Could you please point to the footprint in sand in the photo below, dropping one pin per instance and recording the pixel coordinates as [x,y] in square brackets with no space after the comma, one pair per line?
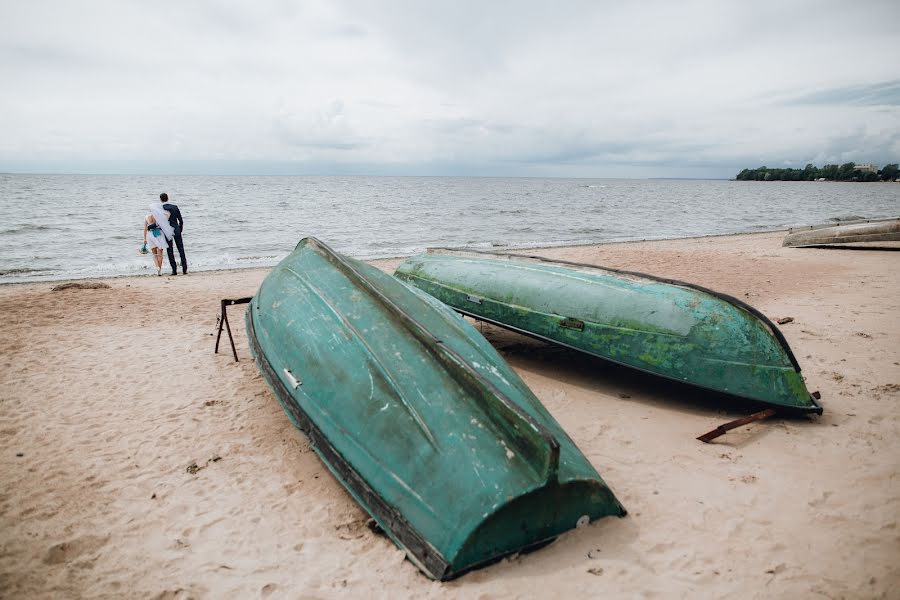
[179,594]
[352,530]
[889,388]
[821,500]
[68,551]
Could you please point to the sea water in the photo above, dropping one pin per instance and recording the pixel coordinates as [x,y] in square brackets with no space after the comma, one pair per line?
[79,226]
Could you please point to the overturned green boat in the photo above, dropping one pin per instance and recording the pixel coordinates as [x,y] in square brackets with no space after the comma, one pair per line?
[662,326]
[417,415]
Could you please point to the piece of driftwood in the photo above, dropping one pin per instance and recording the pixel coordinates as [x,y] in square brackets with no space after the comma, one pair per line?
[721,429]
[846,232]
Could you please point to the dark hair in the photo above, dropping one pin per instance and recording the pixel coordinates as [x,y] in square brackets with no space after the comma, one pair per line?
[164,197]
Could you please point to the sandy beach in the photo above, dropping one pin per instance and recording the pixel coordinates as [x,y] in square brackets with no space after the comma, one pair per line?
[134,462]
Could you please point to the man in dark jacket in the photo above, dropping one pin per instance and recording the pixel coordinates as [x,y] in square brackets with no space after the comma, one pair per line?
[177,224]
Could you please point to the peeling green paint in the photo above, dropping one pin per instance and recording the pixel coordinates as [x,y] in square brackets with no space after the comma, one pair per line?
[675,331]
[417,414]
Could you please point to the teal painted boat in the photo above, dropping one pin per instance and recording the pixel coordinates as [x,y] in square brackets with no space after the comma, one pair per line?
[423,422]
[662,326]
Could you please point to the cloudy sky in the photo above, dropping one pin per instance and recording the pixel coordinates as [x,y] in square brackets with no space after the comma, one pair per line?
[591,89]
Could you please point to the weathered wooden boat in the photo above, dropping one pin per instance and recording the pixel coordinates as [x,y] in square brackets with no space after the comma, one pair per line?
[867,231]
[662,326]
[417,415]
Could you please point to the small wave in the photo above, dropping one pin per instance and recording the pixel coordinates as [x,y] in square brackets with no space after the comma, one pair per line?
[480,245]
[244,258]
[21,271]
[371,254]
[227,261]
[26,228]
[846,218]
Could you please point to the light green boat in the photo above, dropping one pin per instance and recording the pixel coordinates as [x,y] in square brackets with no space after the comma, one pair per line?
[665,327]
[417,415]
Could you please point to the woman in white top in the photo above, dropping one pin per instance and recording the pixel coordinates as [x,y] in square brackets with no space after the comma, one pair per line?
[157,233]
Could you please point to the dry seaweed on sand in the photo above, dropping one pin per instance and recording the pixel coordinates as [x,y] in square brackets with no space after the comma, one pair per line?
[80,285]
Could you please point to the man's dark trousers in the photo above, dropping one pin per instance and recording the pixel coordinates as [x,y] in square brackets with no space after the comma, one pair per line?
[171,252]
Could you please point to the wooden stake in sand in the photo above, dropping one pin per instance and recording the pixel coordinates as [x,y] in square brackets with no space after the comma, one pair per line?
[223,318]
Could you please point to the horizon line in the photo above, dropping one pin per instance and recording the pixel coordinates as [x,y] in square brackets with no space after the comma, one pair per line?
[448,176]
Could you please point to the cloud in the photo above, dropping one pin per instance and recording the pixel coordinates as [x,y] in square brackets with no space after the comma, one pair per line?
[583,88]
[325,129]
[877,94]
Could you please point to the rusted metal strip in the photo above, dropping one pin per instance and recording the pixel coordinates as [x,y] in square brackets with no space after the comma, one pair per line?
[223,320]
[576,324]
[722,429]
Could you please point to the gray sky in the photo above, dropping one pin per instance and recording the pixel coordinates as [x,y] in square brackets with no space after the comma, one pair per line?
[591,89]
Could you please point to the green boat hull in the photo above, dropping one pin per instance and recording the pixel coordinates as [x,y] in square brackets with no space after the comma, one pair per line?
[665,327]
[432,433]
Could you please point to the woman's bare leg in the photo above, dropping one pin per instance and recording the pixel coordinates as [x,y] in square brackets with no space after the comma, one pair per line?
[157,258]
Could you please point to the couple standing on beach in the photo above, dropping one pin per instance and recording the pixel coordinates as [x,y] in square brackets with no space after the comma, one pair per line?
[161,227]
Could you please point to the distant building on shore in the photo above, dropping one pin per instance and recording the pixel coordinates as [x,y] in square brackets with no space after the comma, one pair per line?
[866,168]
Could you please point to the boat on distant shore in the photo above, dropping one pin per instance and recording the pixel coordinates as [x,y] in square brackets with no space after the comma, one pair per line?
[864,231]
[417,415]
[661,326]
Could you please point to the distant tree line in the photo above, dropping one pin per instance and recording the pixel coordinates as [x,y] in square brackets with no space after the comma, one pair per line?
[844,172]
